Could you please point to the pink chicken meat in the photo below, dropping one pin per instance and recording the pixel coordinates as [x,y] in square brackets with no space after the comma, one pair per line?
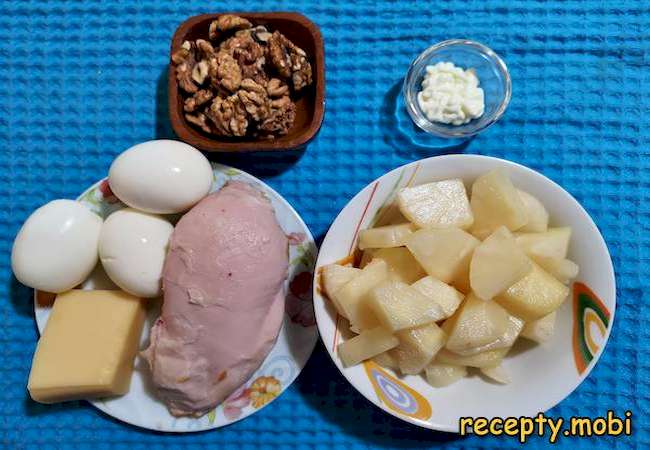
[223,304]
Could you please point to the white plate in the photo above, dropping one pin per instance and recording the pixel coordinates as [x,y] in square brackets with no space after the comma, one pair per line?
[295,343]
[543,375]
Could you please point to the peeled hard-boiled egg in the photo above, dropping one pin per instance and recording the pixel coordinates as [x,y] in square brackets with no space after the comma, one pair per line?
[56,248]
[132,248]
[161,176]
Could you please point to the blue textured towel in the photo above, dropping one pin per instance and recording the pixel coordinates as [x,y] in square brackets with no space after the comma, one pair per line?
[81,81]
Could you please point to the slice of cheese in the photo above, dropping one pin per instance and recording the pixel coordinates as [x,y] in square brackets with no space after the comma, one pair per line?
[88,346]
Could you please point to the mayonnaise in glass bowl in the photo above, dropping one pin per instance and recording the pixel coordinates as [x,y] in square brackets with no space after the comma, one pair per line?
[493,77]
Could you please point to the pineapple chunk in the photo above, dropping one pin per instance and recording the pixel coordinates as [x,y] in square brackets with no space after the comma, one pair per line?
[506,340]
[402,266]
[446,296]
[496,202]
[385,237]
[540,330]
[335,276]
[485,359]
[536,213]
[417,347]
[441,375]
[476,323]
[399,306]
[366,345]
[553,243]
[563,270]
[387,359]
[534,296]
[444,254]
[497,373]
[351,298]
[497,264]
[441,204]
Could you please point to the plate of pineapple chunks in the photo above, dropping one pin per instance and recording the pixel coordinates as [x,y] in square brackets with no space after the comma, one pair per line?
[464,285]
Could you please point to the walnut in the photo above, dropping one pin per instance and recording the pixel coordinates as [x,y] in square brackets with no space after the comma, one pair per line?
[249,55]
[199,120]
[185,60]
[281,117]
[206,49]
[290,61]
[261,34]
[225,23]
[225,72]
[200,98]
[254,98]
[255,71]
[228,116]
[277,88]
[200,71]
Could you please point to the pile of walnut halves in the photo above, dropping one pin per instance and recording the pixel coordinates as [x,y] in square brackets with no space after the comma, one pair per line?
[239,82]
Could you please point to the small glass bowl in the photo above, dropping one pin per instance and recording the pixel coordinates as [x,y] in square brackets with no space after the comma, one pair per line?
[493,77]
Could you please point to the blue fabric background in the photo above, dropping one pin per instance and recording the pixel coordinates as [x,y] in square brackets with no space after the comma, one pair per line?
[82,81]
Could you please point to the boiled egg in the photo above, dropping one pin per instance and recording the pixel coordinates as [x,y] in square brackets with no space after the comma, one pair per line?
[56,248]
[161,176]
[132,249]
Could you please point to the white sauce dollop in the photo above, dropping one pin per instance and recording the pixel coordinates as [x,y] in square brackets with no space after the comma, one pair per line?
[450,94]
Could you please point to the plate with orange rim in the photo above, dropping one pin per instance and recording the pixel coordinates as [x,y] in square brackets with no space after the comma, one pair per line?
[542,375]
[295,343]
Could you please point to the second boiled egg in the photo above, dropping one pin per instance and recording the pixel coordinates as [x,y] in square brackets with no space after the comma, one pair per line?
[132,249]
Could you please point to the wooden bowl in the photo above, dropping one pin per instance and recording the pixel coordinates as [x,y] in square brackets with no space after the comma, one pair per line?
[309,104]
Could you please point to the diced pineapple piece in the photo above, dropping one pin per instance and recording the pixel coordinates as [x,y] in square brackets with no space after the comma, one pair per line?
[534,296]
[485,359]
[444,254]
[536,213]
[563,270]
[496,202]
[553,243]
[352,297]
[402,266]
[335,276]
[540,330]
[366,345]
[441,204]
[446,296]
[385,237]
[507,340]
[497,264]
[475,324]
[398,306]
[441,375]
[417,347]
[497,373]
[387,359]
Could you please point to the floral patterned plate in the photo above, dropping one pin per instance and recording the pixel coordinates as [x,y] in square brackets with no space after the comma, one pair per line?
[295,343]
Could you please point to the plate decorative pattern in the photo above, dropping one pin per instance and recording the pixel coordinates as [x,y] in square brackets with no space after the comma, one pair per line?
[395,394]
[293,347]
[591,319]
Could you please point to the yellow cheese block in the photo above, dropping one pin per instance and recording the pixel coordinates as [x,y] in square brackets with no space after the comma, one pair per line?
[88,346]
